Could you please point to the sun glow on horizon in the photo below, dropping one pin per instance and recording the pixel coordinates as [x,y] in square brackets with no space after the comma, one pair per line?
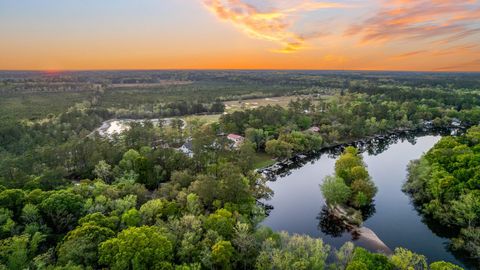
[423,35]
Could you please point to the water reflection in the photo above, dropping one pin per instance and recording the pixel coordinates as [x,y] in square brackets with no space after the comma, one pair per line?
[298,207]
[331,225]
[373,146]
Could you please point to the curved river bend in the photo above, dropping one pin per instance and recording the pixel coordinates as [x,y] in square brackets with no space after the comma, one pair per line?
[297,202]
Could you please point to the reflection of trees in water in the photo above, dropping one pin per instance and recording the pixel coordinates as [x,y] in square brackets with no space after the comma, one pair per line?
[332,225]
[267,207]
[372,146]
[329,224]
[368,211]
[412,140]
[434,226]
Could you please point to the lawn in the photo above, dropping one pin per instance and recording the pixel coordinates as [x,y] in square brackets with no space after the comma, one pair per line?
[208,119]
[283,101]
[262,160]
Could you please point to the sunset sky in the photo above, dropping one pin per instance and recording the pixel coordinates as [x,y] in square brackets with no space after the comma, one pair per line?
[433,35]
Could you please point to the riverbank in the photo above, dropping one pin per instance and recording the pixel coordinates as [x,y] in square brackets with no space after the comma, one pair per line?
[377,142]
[353,222]
[297,204]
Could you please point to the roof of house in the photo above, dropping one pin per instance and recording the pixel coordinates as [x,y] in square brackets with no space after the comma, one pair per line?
[234,136]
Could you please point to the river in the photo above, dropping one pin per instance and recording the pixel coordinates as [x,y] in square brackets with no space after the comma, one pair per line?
[297,201]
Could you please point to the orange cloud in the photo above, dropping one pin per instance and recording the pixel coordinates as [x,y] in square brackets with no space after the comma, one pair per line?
[471,65]
[420,19]
[469,49]
[409,54]
[273,25]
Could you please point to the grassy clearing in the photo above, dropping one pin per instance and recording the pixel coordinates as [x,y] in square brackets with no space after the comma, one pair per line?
[209,119]
[262,160]
[283,101]
[231,106]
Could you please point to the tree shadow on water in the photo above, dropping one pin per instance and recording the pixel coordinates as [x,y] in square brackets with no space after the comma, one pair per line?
[334,226]
[329,224]
[368,211]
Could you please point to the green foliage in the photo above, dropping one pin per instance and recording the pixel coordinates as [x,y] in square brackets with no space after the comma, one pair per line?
[334,190]
[347,164]
[404,259]
[222,221]
[222,254]
[128,162]
[292,252]
[12,199]
[7,224]
[100,220]
[62,209]
[16,252]
[358,190]
[362,259]
[137,248]
[155,210]
[257,136]
[468,240]
[444,266]
[103,170]
[204,208]
[245,242]
[363,192]
[80,245]
[445,183]
[279,149]
[131,218]
[30,214]
[357,265]
[344,255]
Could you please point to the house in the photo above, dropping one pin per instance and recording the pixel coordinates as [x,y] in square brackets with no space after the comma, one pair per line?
[187,148]
[237,140]
[314,129]
[456,122]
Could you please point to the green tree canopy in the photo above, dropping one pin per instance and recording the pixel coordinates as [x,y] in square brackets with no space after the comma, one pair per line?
[334,190]
[139,248]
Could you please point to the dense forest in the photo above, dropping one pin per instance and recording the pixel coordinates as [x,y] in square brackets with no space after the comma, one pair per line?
[445,183]
[73,200]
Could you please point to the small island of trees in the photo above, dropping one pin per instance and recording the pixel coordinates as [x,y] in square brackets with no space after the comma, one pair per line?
[350,187]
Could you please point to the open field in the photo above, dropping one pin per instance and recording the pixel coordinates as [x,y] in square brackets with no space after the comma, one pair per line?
[210,118]
[283,101]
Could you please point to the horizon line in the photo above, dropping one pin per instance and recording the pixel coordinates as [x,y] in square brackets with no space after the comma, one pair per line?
[231,69]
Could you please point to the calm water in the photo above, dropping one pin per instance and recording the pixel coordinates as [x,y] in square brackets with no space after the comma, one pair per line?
[297,202]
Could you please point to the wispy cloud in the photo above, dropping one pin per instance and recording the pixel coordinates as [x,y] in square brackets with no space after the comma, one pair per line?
[449,20]
[409,54]
[273,23]
[471,65]
[471,49]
